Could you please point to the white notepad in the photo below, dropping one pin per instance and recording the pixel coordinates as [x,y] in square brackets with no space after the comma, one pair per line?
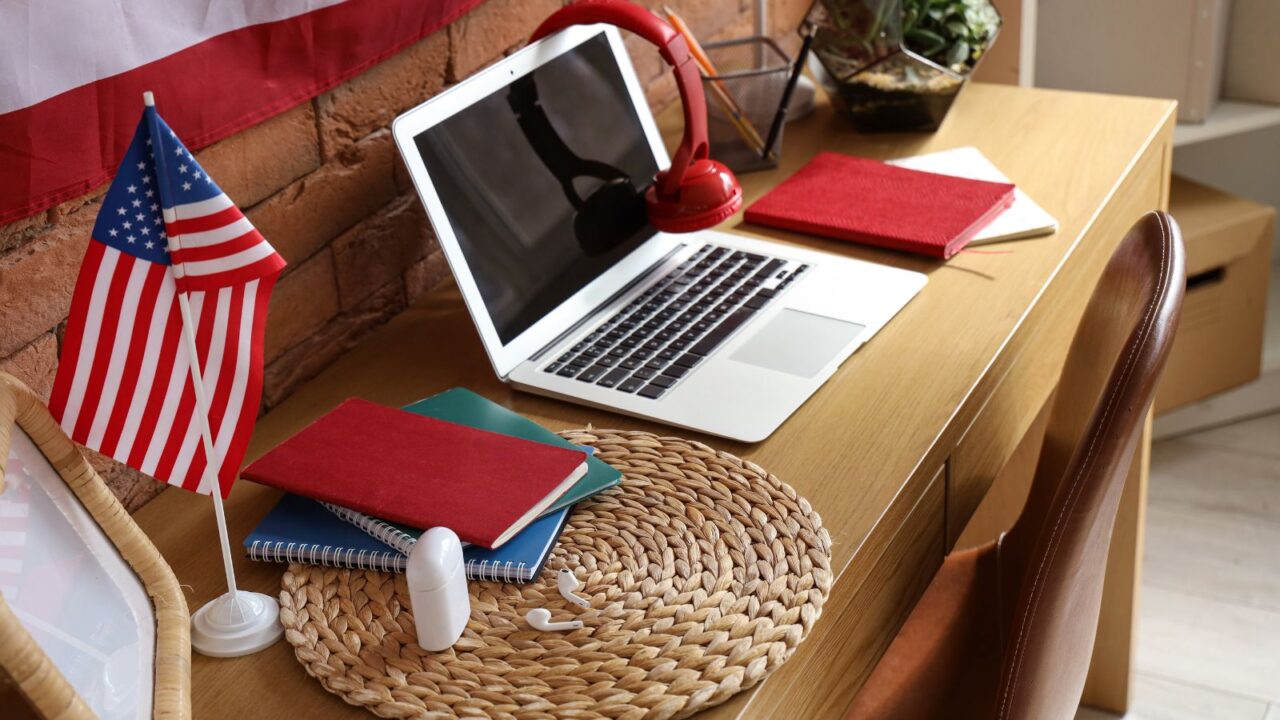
[1023,219]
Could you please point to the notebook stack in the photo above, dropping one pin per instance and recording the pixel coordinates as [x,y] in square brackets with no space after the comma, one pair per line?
[365,480]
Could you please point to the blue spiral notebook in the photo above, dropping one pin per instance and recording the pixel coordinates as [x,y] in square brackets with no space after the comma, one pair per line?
[301,530]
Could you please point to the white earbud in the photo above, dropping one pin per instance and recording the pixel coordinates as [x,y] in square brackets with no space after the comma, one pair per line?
[567,582]
[540,619]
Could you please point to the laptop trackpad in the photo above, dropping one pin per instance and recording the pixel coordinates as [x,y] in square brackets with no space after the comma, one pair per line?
[798,343]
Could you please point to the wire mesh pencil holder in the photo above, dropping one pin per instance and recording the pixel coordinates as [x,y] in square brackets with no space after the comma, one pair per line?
[743,99]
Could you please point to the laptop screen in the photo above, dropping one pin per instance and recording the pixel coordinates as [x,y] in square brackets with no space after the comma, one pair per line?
[543,183]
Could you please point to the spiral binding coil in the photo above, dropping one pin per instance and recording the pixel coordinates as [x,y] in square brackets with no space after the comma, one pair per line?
[390,561]
[378,529]
[507,572]
[327,555]
[485,570]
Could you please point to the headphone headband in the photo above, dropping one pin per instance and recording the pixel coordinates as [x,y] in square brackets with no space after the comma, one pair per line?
[673,48]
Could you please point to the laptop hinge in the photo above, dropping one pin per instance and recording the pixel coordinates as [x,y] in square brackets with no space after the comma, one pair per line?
[607,302]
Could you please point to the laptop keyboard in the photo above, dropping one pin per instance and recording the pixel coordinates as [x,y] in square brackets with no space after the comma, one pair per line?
[663,335]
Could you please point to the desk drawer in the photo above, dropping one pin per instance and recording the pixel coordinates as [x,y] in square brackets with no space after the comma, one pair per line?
[993,436]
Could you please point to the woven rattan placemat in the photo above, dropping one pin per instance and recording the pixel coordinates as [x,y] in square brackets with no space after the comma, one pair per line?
[704,574]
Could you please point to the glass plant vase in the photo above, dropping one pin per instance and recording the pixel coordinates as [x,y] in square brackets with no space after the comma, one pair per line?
[875,78]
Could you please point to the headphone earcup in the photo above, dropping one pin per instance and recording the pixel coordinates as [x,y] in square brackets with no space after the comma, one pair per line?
[707,192]
[708,195]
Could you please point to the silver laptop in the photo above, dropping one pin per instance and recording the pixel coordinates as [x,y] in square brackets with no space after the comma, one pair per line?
[532,173]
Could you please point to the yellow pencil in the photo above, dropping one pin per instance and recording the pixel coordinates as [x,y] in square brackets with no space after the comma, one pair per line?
[725,99]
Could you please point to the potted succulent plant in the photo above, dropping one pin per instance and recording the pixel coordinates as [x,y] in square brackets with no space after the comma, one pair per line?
[899,64]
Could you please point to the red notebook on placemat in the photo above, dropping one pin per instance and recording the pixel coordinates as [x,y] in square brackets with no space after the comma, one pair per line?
[421,472]
[867,201]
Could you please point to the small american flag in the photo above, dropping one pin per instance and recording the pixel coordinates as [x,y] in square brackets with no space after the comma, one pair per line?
[124,385]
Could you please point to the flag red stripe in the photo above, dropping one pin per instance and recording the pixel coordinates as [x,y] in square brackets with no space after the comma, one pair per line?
[213,221]
[137,346]
[190,480]
[75,326]
[222,249]
[253,391]
[269,265]
[155,400]
[177,434]
[204,344]
[196,469]
[97,393]
[65,146]
[182,420]
[221,395]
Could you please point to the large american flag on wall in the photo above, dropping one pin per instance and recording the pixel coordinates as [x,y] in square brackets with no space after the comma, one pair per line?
[71,73]
[124,385]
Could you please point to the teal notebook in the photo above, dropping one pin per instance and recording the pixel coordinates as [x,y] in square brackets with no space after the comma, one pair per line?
[464,407]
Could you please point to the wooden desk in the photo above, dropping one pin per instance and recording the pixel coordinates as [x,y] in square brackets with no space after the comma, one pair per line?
[895,452]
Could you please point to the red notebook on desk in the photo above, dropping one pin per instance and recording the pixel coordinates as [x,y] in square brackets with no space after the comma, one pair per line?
[870,202]
[421,472]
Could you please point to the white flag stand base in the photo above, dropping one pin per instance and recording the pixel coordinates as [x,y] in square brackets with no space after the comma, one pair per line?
[236,623]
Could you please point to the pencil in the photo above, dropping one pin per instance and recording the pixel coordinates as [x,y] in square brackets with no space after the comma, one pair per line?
[727,103]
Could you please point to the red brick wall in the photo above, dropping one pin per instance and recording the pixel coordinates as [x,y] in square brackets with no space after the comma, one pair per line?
[324,184]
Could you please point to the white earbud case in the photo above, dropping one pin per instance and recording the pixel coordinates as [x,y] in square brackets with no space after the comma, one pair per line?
[437,582]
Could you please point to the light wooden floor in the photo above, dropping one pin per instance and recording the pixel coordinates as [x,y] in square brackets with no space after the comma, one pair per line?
[1209,634]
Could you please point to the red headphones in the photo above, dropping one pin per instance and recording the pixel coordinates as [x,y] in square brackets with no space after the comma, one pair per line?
[696,192]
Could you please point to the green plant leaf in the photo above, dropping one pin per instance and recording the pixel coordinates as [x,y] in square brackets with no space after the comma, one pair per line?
[953,33]
[928,41]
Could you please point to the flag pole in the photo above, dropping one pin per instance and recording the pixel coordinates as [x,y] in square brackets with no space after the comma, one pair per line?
[202,405]
[235,623]
[206,437]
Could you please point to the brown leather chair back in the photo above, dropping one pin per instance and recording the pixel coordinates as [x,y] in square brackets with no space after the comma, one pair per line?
[1055,555]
